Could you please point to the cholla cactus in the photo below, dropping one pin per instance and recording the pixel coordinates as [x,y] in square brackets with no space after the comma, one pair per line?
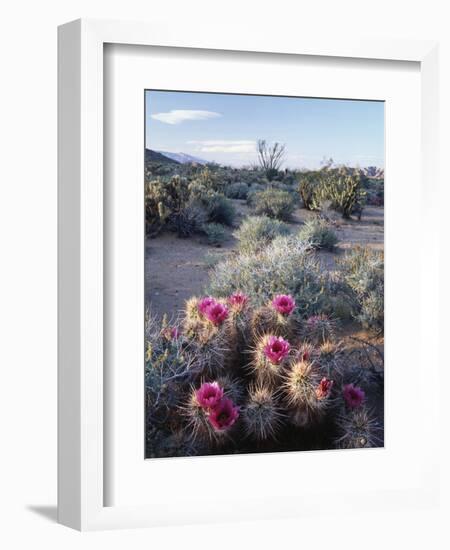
[357,428]
[317,329]
[344,190]
[261,416]
[270,355]
[306,392]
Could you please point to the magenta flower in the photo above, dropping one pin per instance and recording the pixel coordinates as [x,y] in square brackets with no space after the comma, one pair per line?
[276,349]
[238,300]
[216,313]
[353,396]
[323,390]
[223,415]
[205,303]
[209,394]
[284,304]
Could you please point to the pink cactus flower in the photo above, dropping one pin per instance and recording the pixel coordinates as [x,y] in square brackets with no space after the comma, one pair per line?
[323,390]
[216,313]
[353,396]
[205,303]
[223,415]
[209,395]
[238,300]
[276,349]
[284,304]
[305,352]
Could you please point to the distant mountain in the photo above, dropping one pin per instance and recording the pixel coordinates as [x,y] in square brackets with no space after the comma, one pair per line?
[182,158]
[154,156]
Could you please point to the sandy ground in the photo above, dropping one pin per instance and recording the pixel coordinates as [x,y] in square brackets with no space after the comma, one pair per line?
[176,269]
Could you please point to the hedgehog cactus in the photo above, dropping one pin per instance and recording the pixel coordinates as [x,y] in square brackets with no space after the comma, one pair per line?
[329,356]
[357,428]
[270,355]
[262,417]
[274,318]
[318,329]
[306,392]
[233,388]
[197,419]
[210,414]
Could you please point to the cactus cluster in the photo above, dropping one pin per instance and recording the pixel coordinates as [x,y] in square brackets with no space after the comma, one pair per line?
[344,190]
[309,189]
[230,376]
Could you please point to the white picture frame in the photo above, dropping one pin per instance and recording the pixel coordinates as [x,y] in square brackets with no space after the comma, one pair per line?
[81,405]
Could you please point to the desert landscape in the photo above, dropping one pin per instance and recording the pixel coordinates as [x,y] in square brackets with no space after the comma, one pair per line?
[264,290]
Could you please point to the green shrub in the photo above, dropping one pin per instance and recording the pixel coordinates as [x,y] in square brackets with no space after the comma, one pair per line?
[252,191]
[285,266]
[319,233]
[362,270]
[274,203]
[257,232]
[219,209]
[215,233]
[237,191]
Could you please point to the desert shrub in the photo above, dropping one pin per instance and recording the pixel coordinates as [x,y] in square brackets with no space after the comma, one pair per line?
[285,266]
[237,190]
[374,189]
[319,233]
[163,199]
[253,189]
[188,221]
[362,269]
[220,209]
[215,233]
[256,232]
[309,189]
[343,188]
[274,203]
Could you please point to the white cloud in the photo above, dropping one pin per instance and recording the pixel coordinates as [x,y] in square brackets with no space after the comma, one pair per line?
[178,116]
[225,146]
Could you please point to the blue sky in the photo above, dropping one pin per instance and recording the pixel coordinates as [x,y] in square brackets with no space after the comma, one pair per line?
[224,128]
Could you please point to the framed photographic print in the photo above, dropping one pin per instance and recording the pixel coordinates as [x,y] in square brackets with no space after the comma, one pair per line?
[227,316]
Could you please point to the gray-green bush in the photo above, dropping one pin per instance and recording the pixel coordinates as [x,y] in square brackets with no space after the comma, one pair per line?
[285,266]
[215,233]
[237,191]
[362,270]
[319,233]
[256,232]
[274,203]
[220,209]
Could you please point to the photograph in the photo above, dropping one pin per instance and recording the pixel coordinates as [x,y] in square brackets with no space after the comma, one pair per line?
[264,273]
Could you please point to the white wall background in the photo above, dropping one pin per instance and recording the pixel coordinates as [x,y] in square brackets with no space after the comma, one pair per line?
[28,267]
